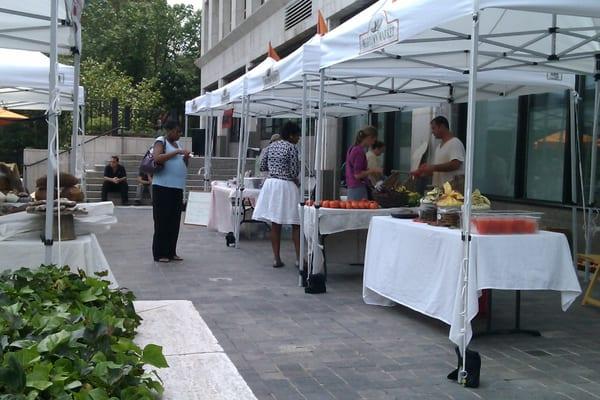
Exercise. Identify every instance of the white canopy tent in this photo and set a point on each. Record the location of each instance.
(52, 27)
(24, 81)
(472, 36)
(290, 85)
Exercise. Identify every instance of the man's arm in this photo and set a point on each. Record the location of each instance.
(428, 169)
(122, 173)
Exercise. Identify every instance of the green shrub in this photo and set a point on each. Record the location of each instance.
(68, 336)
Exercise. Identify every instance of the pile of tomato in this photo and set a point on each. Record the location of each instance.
(350, 204)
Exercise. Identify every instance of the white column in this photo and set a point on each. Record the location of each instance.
(52, 131)
(303, 145)
(75, 131)
(573, 140)
(466, 221)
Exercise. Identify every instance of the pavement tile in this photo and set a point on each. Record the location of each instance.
(288, 345)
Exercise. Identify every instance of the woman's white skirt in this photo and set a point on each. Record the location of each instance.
(278, 202)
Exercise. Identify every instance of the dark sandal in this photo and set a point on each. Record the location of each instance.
(163, 260)
(278, 264)
(176, 258)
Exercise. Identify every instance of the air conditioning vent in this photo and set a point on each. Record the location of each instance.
(296, 12)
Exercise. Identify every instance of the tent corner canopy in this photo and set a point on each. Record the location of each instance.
(26, 25)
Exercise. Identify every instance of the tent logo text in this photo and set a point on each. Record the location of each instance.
(225, 96)
(271, 78)
(381, 33)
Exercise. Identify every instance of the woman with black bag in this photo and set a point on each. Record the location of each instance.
(168, 183)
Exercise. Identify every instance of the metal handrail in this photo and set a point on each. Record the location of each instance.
(107, 133)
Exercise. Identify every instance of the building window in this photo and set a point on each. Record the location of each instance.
(546, 141)
(496, 146)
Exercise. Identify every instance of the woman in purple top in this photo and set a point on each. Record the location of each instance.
(356, 164)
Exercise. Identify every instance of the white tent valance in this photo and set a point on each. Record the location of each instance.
(24, 81)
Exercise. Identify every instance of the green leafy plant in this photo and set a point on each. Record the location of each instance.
(68, 336)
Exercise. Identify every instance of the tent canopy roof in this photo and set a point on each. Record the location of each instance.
(516, 34)
(25, 24)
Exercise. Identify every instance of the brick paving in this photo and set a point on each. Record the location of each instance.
(288, 345)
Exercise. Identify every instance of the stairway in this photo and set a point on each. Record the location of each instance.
(223, 169)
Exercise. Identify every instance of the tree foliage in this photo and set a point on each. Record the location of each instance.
(150, 42)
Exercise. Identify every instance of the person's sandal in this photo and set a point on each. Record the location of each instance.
(177, 258)
(163, 260)
(278, 264)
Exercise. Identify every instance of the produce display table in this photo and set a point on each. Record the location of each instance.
(221, 215)
(82, 253)
(419, 266)
(335, 220)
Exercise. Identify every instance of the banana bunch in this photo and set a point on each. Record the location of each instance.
(479, 201)
(450, 198)
(432, 196)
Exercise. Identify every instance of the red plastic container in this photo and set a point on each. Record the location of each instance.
(505, 222)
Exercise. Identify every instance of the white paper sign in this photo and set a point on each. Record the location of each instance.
(197, 208)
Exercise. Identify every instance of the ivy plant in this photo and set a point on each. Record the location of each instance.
(68, 336)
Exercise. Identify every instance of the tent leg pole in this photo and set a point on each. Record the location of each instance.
(52, 128)
(466, 226)
(82, 150)
(206, 133)
(210, 148)
(238, 194)
(318, 171)
(302, 180)
(594, 156)
(573, 141)
(185, 134)
(75, 131)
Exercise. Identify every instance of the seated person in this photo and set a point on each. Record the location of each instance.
(144, 184)
(115, 180)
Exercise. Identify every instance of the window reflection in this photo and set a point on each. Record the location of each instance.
(546, 141)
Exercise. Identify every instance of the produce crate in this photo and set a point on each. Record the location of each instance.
(391, 199)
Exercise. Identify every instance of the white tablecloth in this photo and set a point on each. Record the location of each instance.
(22, 225)
(419, 266)
(82, 253)
(220, 216)
(335, 220)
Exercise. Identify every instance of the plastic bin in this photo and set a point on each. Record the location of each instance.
(505, 222)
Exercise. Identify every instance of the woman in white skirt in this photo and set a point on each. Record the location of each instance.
(277, 203)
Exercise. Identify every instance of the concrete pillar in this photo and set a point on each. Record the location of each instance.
(204, 43)
(237, 13)
(213, 22)
(224, 18)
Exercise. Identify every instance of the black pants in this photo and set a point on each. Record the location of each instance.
(167, 204)
(121, 187)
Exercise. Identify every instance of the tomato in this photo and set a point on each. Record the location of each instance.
(334, 204)
(354, 204)
(325, 204)
(343, 204)
(373, 205)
